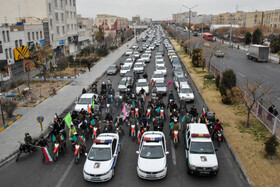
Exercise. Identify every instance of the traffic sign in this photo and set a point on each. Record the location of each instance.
(21, 53)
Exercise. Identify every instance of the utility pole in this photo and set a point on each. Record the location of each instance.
(2, 109)
(230, 34)
(202, 24)
(190, 10)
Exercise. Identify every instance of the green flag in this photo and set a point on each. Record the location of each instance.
(171, 125)
(53, 138)
(68, 120)
(186, 28)
(184, 118)
(92, 122)
(92, 103)
(133, 104)
(158, 109)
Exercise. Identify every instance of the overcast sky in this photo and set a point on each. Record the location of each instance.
(163, 9)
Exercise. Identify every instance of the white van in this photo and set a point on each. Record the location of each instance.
(84, 101)
(200, 153)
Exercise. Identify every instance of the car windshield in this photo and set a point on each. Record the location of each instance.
(202, 148)
(161, 68)
(125, 68)
(140, 61)
(111, 68)
(159, 85)
(182, 79)
(84, 101)
(138, 66)
(160, 62)
(122, 82)
(186, 90)
(145, 56)
(152, 152)
(157, 76)
(99, 154)
(129, 74)
(142, 84)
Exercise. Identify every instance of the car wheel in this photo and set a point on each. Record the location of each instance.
(113, 172)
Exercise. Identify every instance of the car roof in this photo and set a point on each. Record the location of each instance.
(87, 95)
(199, 128)
(142, 80)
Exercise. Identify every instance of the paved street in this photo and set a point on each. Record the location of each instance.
(65, 173)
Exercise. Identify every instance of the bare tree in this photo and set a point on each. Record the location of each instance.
(194, 43)
(250, 93)
(209, 51)
(108, 41)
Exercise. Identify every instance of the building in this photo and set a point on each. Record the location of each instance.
(111, 24)
(58, 16)
(148, 20)
(199, 19)
(271, 19)
(136, 19)
(254, 19)
(183, 17)
(237, 18)
(85, 32)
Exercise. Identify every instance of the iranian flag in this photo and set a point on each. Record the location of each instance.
(55, 117)
(192, 119)
(203, 111)
(47, 154)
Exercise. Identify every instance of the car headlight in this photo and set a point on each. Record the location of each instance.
(192, 167)
(162, 170)
(106, 173)
(140, 170)
(215, 168)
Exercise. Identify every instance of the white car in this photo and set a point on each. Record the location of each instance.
(136, 54)
(102, 158)
(125, 69)
(142, 83)
(84, 101)
(129, 52)
(148, 51)
(180, 82)
(152, 156)
(186, 93)
(124, 84)
(157, 76)
(160, 64)
(161, 69)
(138, 68)
(146, 57)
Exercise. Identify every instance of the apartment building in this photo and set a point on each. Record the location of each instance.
(183, 17)
(254, 19)
(237, 18)
(111, 24)
(85, 32)
(59, 20)
(271, 19)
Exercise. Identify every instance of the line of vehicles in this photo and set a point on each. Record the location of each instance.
(102, 155)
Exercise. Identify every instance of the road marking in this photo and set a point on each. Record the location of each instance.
(65, 174)
(277, 98)
(173, 153)
(241, 74)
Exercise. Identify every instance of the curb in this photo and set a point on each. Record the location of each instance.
(226, 142)
(57, 77)
(38, 102)
(10, 123)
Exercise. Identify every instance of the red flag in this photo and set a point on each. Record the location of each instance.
(169, 84)
(151, 82)
(203, 111)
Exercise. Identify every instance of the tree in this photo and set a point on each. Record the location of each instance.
(257, 36)
(193, 43)
(108, 40)
(250, 93)
(248, 38)
(99, 36)
(222, 31)
(9, 107)
(227, 83)
(271, 146)
(209, 52)
(197, 57)
(275, 44)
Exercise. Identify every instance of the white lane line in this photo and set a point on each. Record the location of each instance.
(241, 74)
(65, 174)
(277, 98)
(173, 153)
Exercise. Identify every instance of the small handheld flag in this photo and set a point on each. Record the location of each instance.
(169, 84)
(47, 154)
(186, 28)
(184, 118)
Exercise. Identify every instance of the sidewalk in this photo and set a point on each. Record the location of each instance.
(272, 56)
(57, 104)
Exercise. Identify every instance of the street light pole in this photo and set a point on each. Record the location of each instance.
(190, 9)
(2, 109)
(230, 34)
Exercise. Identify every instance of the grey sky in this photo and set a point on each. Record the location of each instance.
(163, 9)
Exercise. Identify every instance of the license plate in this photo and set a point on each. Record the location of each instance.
(204, 173)
(151, 176)
(95, 178)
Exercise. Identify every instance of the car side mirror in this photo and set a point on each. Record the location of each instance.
(86, 154)
(187, 148)
(167, 152)
(137, 152)
(115, 155)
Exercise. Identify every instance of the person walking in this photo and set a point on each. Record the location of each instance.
(88, 66)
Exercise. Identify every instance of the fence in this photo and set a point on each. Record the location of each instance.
(271, 122)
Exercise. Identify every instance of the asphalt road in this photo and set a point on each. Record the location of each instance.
(30, 171)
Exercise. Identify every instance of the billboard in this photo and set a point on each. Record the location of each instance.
(21, 53)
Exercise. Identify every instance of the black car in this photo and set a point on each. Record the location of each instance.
(140, 49)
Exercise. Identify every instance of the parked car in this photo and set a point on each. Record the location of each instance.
(112, 70)
(129, 52)
(219, 53)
